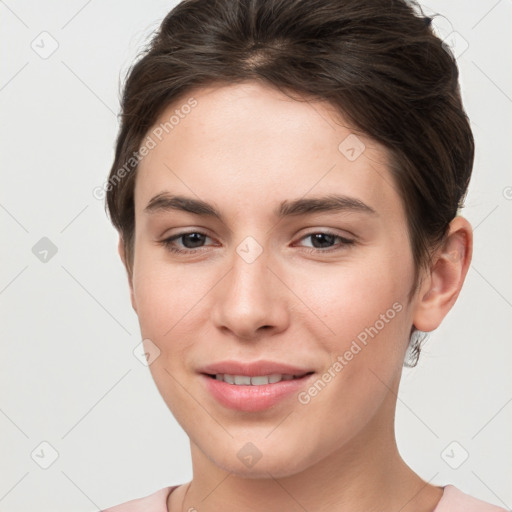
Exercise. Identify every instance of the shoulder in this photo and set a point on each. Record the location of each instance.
(155, 502)
(454, 500)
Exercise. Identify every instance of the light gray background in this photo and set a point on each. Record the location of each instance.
(68, 373)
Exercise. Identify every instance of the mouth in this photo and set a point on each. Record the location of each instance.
(253, 387)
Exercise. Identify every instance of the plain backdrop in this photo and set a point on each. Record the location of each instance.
(82, 424)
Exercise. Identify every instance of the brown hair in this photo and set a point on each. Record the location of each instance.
(377, 62)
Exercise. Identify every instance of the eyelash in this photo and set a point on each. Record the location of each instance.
(168, 242)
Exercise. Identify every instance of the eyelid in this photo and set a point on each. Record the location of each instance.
(345, 241)
(168, 242)
(345, 235)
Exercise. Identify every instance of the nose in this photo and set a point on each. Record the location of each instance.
(250, 302)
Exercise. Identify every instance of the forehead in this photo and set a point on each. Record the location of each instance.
(249, 145)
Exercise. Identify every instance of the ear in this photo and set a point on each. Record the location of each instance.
(442, 285)
(122, 254)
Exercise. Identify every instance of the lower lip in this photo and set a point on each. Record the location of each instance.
(253, 398)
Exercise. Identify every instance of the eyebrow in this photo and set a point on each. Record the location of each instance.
(165, 202)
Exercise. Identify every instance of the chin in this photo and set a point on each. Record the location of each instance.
(271, 461)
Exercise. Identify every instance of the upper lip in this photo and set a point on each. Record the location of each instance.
(253, 369)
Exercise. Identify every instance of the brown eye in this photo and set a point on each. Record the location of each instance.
(323, 241)
(189, 241)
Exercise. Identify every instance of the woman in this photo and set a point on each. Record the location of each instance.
(286, 187)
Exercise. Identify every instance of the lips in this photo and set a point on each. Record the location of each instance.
(254, 369)
(255, 386)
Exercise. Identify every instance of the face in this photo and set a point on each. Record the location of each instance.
(272, 251)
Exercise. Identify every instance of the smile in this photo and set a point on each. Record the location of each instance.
(258, 380)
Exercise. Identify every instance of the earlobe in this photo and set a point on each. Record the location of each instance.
(122, 254)
(442, 287)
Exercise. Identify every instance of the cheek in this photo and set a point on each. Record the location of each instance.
(366, 309)
(162, 297)
(168, 300)
(154, 301)
(368, 314)
(351, 299)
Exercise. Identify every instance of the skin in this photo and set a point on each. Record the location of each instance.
(245, 148)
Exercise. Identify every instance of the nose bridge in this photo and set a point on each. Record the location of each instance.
(249, 298)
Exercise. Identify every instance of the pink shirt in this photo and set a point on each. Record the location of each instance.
(453, 500)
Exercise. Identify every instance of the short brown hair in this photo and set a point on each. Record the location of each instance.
(377, 61)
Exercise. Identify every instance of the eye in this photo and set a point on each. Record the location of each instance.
(191, 241)
(322, 240)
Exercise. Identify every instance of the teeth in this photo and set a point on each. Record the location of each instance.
(259, 380)
(242, 380)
